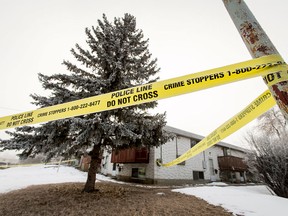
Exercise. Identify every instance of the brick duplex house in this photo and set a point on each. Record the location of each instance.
(221, 162)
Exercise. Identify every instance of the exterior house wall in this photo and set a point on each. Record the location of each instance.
(107, 166)
(202, 167)
(211, 160)
(179, 173)
(238, 153)
(232, 176)
(126, 171)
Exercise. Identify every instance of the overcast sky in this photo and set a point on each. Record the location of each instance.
(186, 36)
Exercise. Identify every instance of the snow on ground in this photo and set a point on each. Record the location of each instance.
(251, 200)
(21, 177)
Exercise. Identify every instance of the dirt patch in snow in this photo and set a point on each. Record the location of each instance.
(110, 199)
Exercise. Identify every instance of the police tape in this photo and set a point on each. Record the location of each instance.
(35, 164)
(237, 121)
(259, 106)
(149, 92)
(279, 75)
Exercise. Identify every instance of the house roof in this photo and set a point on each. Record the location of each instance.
(187, 134)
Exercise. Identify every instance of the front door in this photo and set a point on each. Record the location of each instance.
(212, 170)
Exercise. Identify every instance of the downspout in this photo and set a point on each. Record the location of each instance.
(177, 147)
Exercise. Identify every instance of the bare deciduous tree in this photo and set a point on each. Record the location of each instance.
(269, 155)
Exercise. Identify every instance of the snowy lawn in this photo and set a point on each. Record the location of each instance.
(241, 200)
(21, 177)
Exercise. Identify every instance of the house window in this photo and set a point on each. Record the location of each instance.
(198, 175)
(138, 172)
(135, 172)
(182, 163)
(226, 151)
(114, 167)
(193, 142)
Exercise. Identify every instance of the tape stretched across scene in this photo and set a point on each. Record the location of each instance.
(149, 92)
(258, 107)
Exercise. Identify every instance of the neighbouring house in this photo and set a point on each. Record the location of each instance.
(84, 162)
(3, 164)
(221, 162)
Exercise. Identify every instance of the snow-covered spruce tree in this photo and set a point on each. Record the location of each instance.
(269, 156)
(117, 57)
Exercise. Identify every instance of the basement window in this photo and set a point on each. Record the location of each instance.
(138, 172)
(198, 175)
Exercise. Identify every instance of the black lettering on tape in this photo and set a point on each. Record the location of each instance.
(122, 93)
(144, 88)
(27, 121)
(271, 77)
(205, 78)
(262, 99)
(111, 103)
(16, 117)
(245, 112)
(16, 123)
(124, 100)
(27, 115)
(42, 114)
(174, 85)
(145, 96)
(53, 112)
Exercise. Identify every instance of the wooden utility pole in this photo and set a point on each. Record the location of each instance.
(258, 44)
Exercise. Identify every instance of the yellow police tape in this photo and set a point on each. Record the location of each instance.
(49, 163)
(150, 92)
(259, 106)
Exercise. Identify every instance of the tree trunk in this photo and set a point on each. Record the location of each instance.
(91, 178)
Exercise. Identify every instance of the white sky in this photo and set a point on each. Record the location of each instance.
(186, 36)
